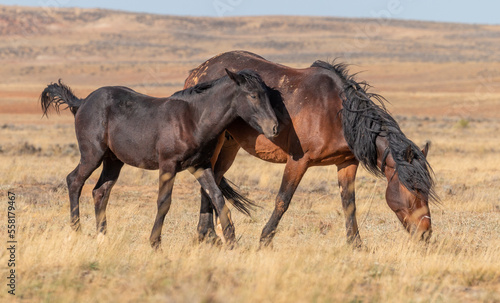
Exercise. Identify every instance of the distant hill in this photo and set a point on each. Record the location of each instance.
(153, 53)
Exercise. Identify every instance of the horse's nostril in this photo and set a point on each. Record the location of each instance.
(426, 235)
(275, 129)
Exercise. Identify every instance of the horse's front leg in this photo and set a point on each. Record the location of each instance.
(221, 164)
(346, 175)
(166, 184)
(206, 179)
(294, 171)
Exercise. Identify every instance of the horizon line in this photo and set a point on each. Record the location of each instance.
(244, 15)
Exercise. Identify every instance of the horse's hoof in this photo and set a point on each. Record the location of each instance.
(76, 227)
(101, 238)
(210, 237)
(355, 243)
(156, 245)
(266, 243)
(230, 245)
(216, 241)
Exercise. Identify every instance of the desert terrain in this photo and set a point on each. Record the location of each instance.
(442, 83)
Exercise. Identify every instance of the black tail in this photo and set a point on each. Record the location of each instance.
(56, 94)
(242, 203)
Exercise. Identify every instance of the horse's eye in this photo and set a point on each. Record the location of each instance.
(253, 96)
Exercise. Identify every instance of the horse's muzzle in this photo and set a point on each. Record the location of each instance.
(426, 235)
(422, 229)
(271, 130)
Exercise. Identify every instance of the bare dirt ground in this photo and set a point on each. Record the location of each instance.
(443, 85)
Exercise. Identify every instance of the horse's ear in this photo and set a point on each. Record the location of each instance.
(409, 154)
(425, 150)
(238, 79)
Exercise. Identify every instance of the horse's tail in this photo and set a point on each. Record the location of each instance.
(56, 94)
(240, 202)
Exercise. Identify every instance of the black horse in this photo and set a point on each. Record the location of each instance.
(116, 125)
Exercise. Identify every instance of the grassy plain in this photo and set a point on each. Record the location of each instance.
(443, 85)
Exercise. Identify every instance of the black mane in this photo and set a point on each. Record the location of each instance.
(197, 89)
(251, 77)
(363, 121)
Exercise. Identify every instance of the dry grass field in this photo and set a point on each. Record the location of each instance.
(443, 84)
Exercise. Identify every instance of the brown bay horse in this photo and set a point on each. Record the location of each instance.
(116, 125)
(326, 117)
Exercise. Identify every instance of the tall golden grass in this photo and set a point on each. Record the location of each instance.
(309, 260)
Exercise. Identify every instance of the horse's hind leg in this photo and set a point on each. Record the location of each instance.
(294, 170)
(75, 180)
(92, 152)
(346, 175)
(110, 172)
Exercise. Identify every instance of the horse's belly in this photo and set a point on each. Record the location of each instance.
(136, 159)
(266, 150)
(138, 152)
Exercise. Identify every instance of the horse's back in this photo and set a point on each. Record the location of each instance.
(215, 67)
(119, 101)
(319, 84)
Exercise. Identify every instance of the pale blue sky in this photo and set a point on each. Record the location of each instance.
(472, 11)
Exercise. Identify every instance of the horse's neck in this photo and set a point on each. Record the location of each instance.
(213, 111)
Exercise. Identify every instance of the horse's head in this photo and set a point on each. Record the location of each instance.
(410, 205)
(252, 102)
